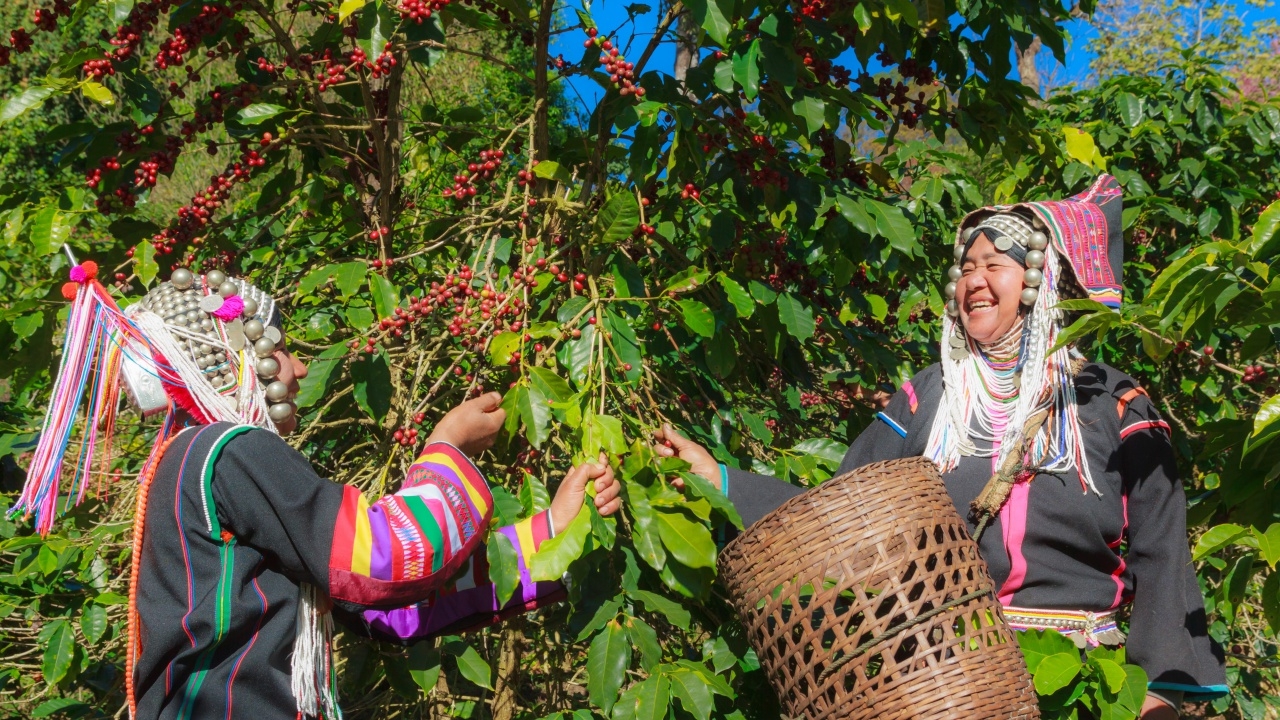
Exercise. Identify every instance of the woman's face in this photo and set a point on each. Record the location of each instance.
(291, 371)
(989, 292)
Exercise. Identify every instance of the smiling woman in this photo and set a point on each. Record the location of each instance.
(1063, 467)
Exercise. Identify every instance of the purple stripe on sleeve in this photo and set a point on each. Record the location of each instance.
(380, 553)
(456, 611)
(526, 582)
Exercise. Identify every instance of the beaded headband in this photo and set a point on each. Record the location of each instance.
(221, 326)
(1012, 235)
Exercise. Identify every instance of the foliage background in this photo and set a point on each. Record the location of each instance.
(750, 250)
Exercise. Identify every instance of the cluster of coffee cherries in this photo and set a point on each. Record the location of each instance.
(621, 72)
(464, 188)
(419, 10)
(98, 69)
(690, 191)
(45, 20)
(1254, 374)
(194, 217)
(334, 71)
(188, 38)
(407, 436)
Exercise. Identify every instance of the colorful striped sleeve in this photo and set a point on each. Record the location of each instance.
(471, 602)
(403, 547)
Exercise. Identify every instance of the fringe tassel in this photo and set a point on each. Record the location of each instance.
(315, 687)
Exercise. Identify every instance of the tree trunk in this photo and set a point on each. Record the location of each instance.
(686, 45)
(504, 687)
(1027, 71)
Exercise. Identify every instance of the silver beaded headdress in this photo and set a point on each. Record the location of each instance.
(1045, 378)
(213, 339)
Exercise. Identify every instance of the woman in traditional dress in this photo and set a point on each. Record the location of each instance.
(1064, 464)
(240, 551)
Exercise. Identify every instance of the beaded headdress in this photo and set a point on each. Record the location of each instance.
(1085, 231)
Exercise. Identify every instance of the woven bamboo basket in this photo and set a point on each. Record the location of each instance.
(866, 598)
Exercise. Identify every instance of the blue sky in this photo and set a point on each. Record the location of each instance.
(611, 15)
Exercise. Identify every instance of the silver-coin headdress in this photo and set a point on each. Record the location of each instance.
(1069, 248)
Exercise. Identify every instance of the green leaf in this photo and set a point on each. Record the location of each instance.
(258, 113)
(144, 263)
(645, 532)
(607, 661)
(59, 652)
(424, 665)
(348, 277)
(697, 317)
(746, 69)
(1271, 601)
(386, 298)
(474, 668)
(534, 497)
(828, 450)
(372, 389)
(535, 413)
(504, 567)
(375, 27)
(724, 76)
(796, 317)
(56, 705)
(1056, 672)
(689, 279)
(687, 541)
(602, 432)
(1134, 691)
(93, 623)
(653, 698)
(694, 693)
(49, 230)
(1217, 538)
(812, 110)
(319, 371)
(98, 93)
(618, 218)
(1036, 645)
(721, 354)
(1265, 240)
(742, 303)
(549, 170)
(551, 386)
(699, 486)
(852, 210)
(26, 100)
(555, 555)
(894, 227)
(713, 16)
(646, 641)
(1112, 673)
(674, 612)
(578, 354)
(1268, 544)
(1130, 109)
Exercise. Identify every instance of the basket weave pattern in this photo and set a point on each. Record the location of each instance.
(864, 556)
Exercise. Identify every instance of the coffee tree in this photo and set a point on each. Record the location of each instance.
(714, 251)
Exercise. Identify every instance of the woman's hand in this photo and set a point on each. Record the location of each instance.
(673, 444)
(569, 496)
(1156, 709)
(473, 425)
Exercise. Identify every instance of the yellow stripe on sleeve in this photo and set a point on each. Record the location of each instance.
(442, 459)
(362, 549)
(524, 532)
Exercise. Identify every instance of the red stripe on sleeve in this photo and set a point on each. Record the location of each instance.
(1146, 425)
(344, 530)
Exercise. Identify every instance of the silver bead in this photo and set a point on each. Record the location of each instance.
(253, 330)
(250, 307)
(267, 367)
(182, 278)
(1038, 241)
(227, 288)
(211, 303)
(1035, 259)
(263, 347)
(202, 362)
(953, 308)
(206, 324)
(277, 391)
(1029, 296)
(968, 234)
(228, 379)
(958, 252)
(280, 412)
(205, 349)
(955, 273)
(274, 333)
(1031, 277)
(949, 290)
(214, 278)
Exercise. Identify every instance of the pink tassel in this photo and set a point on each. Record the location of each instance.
(230, 310)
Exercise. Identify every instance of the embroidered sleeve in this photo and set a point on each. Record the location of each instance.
(402, 547)
(469, 601)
